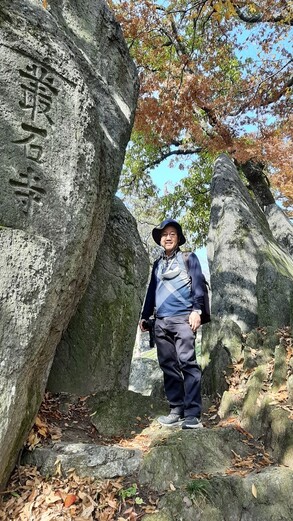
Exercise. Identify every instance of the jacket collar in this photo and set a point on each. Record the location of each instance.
(169, 257)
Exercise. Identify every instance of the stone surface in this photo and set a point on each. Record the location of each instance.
(198, 474)
(262, 496)
(144, 342)
(290, 388)
(87, 460)
(96, 349)
(220, 348)
(67, 97)
(262, 415)
(176, 455)
(146, 377)
(125, 412)
(280, 368)
(248, 268)
(280, 226)
(274, 290)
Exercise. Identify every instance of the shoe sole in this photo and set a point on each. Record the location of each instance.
(198, 426)
(176, 424)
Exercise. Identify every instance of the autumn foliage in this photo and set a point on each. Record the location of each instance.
(214, 76)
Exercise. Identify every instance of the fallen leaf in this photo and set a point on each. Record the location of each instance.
(40, 423)
(58, 468)
(253, 490)
(149, 509)
(112, 503)
(33, 440)
(52, 498)
(69, 500)
(43, 431)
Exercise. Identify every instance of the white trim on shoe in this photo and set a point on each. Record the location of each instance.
(191, 422)
(176, 423)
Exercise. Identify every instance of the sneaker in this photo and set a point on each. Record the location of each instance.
(171, 420)
(191, 422)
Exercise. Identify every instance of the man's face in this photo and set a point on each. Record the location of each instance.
(169, 239)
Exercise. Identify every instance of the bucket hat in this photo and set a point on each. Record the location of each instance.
(157, 231)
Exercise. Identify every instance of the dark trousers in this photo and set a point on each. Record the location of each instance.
(176, 355)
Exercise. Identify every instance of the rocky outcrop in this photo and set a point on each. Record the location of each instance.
(68, 94)
(96, 349)
(125, 412)
(87, 460)
(219, 473)
(146, 377)
(251, 275)
(174, 458)
(280, 226)
(260, 395)
(221, 347)
(229, 498)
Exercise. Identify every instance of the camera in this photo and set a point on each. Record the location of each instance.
(148, 324)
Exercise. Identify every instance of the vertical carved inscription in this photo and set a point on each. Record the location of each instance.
(38, 91)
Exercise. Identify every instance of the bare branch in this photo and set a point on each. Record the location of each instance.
(284, 17)
(272, 96)
(177, 152)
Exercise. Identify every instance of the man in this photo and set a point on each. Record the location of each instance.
(176, 298)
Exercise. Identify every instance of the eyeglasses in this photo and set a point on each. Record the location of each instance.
(171, 234)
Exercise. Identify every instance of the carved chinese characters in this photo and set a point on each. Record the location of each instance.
(38, 145)
(38, 91)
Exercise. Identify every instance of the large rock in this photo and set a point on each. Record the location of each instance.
(251, 275)
(146, 377)
(280, 226)
(220, 348)
(260, 496)
(201, 451)
(67, 93)
(125, 412)
(87, 459)
(96, 350)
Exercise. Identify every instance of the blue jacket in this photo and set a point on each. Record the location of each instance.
(174, 305)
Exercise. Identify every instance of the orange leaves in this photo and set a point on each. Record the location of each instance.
(223, 8)
(69, 499)
(206, 75)
(255, 461)
(40, 431)
(41, 426)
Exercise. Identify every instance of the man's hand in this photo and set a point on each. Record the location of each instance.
(194, 320)
(142, 323)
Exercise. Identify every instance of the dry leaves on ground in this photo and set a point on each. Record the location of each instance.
(33, 498)
(254, 461)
